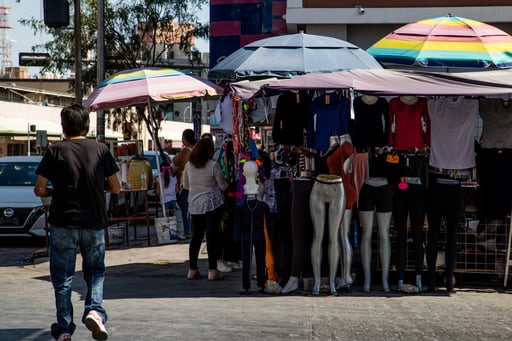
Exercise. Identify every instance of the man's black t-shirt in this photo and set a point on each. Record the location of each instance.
(78, 170)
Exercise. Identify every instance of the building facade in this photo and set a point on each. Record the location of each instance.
(234, 24)
(364, 22)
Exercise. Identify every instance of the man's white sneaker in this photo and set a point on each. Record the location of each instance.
(94, 323)
(223, 267)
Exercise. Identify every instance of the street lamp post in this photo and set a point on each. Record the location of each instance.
(28, 139)
(30, 127)
(78, 53)
(100, 65)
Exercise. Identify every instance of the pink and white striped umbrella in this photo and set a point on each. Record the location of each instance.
(149, 85)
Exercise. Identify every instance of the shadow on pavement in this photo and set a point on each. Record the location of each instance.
(162, 280)
(24, 334)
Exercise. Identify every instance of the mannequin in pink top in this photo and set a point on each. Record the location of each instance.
(340, 163)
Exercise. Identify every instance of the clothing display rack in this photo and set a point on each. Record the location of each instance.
(483, 247)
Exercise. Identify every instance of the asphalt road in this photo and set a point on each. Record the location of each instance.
(148, 296)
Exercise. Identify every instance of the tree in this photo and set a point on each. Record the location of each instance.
(138, 33)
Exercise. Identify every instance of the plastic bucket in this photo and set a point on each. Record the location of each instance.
(115, 235)
(166, 231)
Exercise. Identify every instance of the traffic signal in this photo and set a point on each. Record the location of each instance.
(56, 13)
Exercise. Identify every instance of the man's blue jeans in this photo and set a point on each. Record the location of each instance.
(182, 198)
(63, 249)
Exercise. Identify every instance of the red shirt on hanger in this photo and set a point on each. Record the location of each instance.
(409, 124)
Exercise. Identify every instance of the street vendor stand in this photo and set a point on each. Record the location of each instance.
(392, 83)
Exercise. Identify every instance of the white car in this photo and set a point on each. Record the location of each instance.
(21, 211)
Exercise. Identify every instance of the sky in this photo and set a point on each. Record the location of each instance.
(23, 38)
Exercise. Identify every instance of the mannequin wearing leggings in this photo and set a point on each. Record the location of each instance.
(340, 162)
(251, 218)
(446, 198)
(284, 231)
(375, 195)
(409, 199)
(327, 201)
(302, 231)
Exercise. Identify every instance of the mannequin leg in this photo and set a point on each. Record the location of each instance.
(318, 209)
(335, 217)
(346, 251)
(419, 283)
(383, 221)
(316, 257)
(366, 218)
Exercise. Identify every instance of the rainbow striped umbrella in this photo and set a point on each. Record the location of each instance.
(447, 41)
(149, 85)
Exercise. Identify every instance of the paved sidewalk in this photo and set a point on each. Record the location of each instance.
(148, 297)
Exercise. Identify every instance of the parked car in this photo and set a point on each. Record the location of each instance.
(21, 211)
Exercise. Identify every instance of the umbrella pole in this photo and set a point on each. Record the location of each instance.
(159, 176)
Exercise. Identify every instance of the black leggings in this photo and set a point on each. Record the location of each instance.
(283, 229)
(445, 199)
(410, 201)
(209, 222)
(302, 228)
(259, 255)
(229, 250)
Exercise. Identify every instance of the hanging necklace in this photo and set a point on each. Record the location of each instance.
(252, 208)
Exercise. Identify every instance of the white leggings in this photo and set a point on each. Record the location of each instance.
(328, 192)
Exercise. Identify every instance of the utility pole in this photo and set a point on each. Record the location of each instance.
(100, 68)
(28, 139)
(78, 53)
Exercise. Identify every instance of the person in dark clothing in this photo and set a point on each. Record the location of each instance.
(80, 170)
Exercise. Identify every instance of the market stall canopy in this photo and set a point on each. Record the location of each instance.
(446, 42)
(248, 89)
(395, 82)
(148, 85)
(314, 81)
(291, 55)
(491, 78)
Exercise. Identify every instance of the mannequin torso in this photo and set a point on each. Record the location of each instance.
(409, 100)
(370, 100)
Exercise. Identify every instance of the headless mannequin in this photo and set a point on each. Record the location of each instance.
(383, 222)
(328, 189)
(370, 100)
(346, 254)
(302, 232)
(409, 100)
(340, 162)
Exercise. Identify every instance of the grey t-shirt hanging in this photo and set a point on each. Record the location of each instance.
(497, 123)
